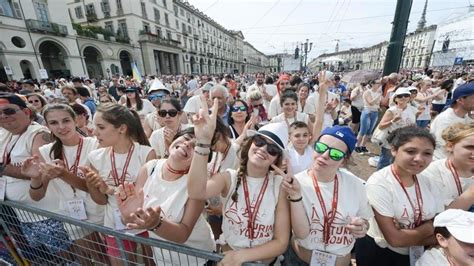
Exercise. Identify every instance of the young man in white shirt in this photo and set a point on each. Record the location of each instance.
(461, 105)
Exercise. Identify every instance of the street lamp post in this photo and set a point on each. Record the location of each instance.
(306, 48)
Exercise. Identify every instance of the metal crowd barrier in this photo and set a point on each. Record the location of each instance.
(81, 243)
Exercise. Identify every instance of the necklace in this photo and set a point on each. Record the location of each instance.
(175, 171)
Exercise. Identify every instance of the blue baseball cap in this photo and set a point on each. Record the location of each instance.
(343, 133)
(463, 91)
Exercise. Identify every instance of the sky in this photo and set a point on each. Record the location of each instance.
(276, 26)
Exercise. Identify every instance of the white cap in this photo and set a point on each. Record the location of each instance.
(156, 85)
(276, 132)
(458, 222)
(401, 91)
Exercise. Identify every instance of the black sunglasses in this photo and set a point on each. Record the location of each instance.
(403, 96)
(34, 101)
(170, 112)
(9, 111)
(272, 148)
(238, 108)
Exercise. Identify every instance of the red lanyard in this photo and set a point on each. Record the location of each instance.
(455, 176)
(6, 155)
(328, 218)
(419, 198)
(74, 167)
(213, 172)
(119, 181)
(253, 214)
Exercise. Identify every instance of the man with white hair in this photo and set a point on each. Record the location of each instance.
(220, 93)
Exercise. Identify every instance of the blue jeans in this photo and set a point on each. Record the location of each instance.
(422, 123)
(368, 121)
(385, 158)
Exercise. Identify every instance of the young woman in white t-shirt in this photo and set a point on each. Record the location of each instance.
(329, 208)
(256, 222)
(125, 149)
(404, 202)
(423, 99)
(159, 203)
(369, 115)
(135, 102)
(59, 175)
(454, 175)
(290, 114)
(170, 113)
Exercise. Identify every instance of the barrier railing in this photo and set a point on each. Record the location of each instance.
(37, 237)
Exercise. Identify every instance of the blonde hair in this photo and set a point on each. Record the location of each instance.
(457, 132)
(254, 95)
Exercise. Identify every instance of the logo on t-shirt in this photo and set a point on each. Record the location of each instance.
(237, 218)
(339, 234)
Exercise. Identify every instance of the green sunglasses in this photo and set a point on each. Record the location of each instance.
(334, 154)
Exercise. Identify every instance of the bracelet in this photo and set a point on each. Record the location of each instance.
(158, 225)
(294, 200)
(36, 188)
(201, 153)
(202, 145)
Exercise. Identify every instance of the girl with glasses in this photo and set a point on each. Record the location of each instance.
(169, 112)
(240, 120)
(135, 102)
(400, 115)
(37, 101)
(404, 201)
(256, 222)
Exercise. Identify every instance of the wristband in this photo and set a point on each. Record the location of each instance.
(158, 225)
(201, 153)
(294, 200)
(202, 145)
(36, 188)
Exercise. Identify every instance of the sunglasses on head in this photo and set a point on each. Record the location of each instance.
(272, 148)
(334, 154)
(9, 111)
(171, 113)
(239, 108)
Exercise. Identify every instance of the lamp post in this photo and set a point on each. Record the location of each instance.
(306, 48)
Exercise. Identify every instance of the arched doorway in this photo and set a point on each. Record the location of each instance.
(26, 69)
(193, 65)
(216, 68)
(126, 63)
(92, 57)
(209, 67)
(53, 58)
(201, 64)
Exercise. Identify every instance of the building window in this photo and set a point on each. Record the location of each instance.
(105, 6)
(109, 27)
(41, 9)
(164, 3)
(119, 7)
(90, 10)
(144, 15)
(168, 35)
(16, 10)
(177, 24)
(122, 24)
(175, 10)
(78, 11)
(181, 12)
(158, 31)
(157, 15)
(167, 21)
(146, 27)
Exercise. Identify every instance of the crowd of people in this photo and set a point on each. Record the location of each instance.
(251, 166)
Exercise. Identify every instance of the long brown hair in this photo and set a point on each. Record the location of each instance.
(57, 148)
(118, 115)
(244, 158)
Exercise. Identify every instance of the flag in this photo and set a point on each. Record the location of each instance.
(136, 73)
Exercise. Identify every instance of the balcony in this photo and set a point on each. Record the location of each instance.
(196, 36)
(205, 40)
(153, 38)
(46, 27)
(91, 17)
(210, 55)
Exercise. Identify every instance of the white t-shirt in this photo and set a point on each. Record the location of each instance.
(387, 197)
(443, 100)
(172, 197)
(20, 148)
(357, 100)
(151, 120)
(157, 141)
(274, 108)
(426, 114)
(303, 117)
(352, 202)
(440, 123)
(193, 105)
(443, 179)
(433, 257)
(309, 106)
(235, 216)
(64, 192)
(101, 161)
(147, 108)
(300, 162)
(374, 95)
(328, 121)
(407, 117)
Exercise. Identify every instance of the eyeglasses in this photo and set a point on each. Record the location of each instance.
(334, 154)
(9, 111)
(403, 96)
(272, 148)
(171, 113)
(34, 101)
(154, 97)
(239, 108)
(257, 105)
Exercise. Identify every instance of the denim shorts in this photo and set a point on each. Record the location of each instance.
(49, 233)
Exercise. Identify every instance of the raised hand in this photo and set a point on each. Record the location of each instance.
(128, 199)
(205, 123)
(31, 168)
(145, 219)
(168, 134)
(289, 183)
(325, 80)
